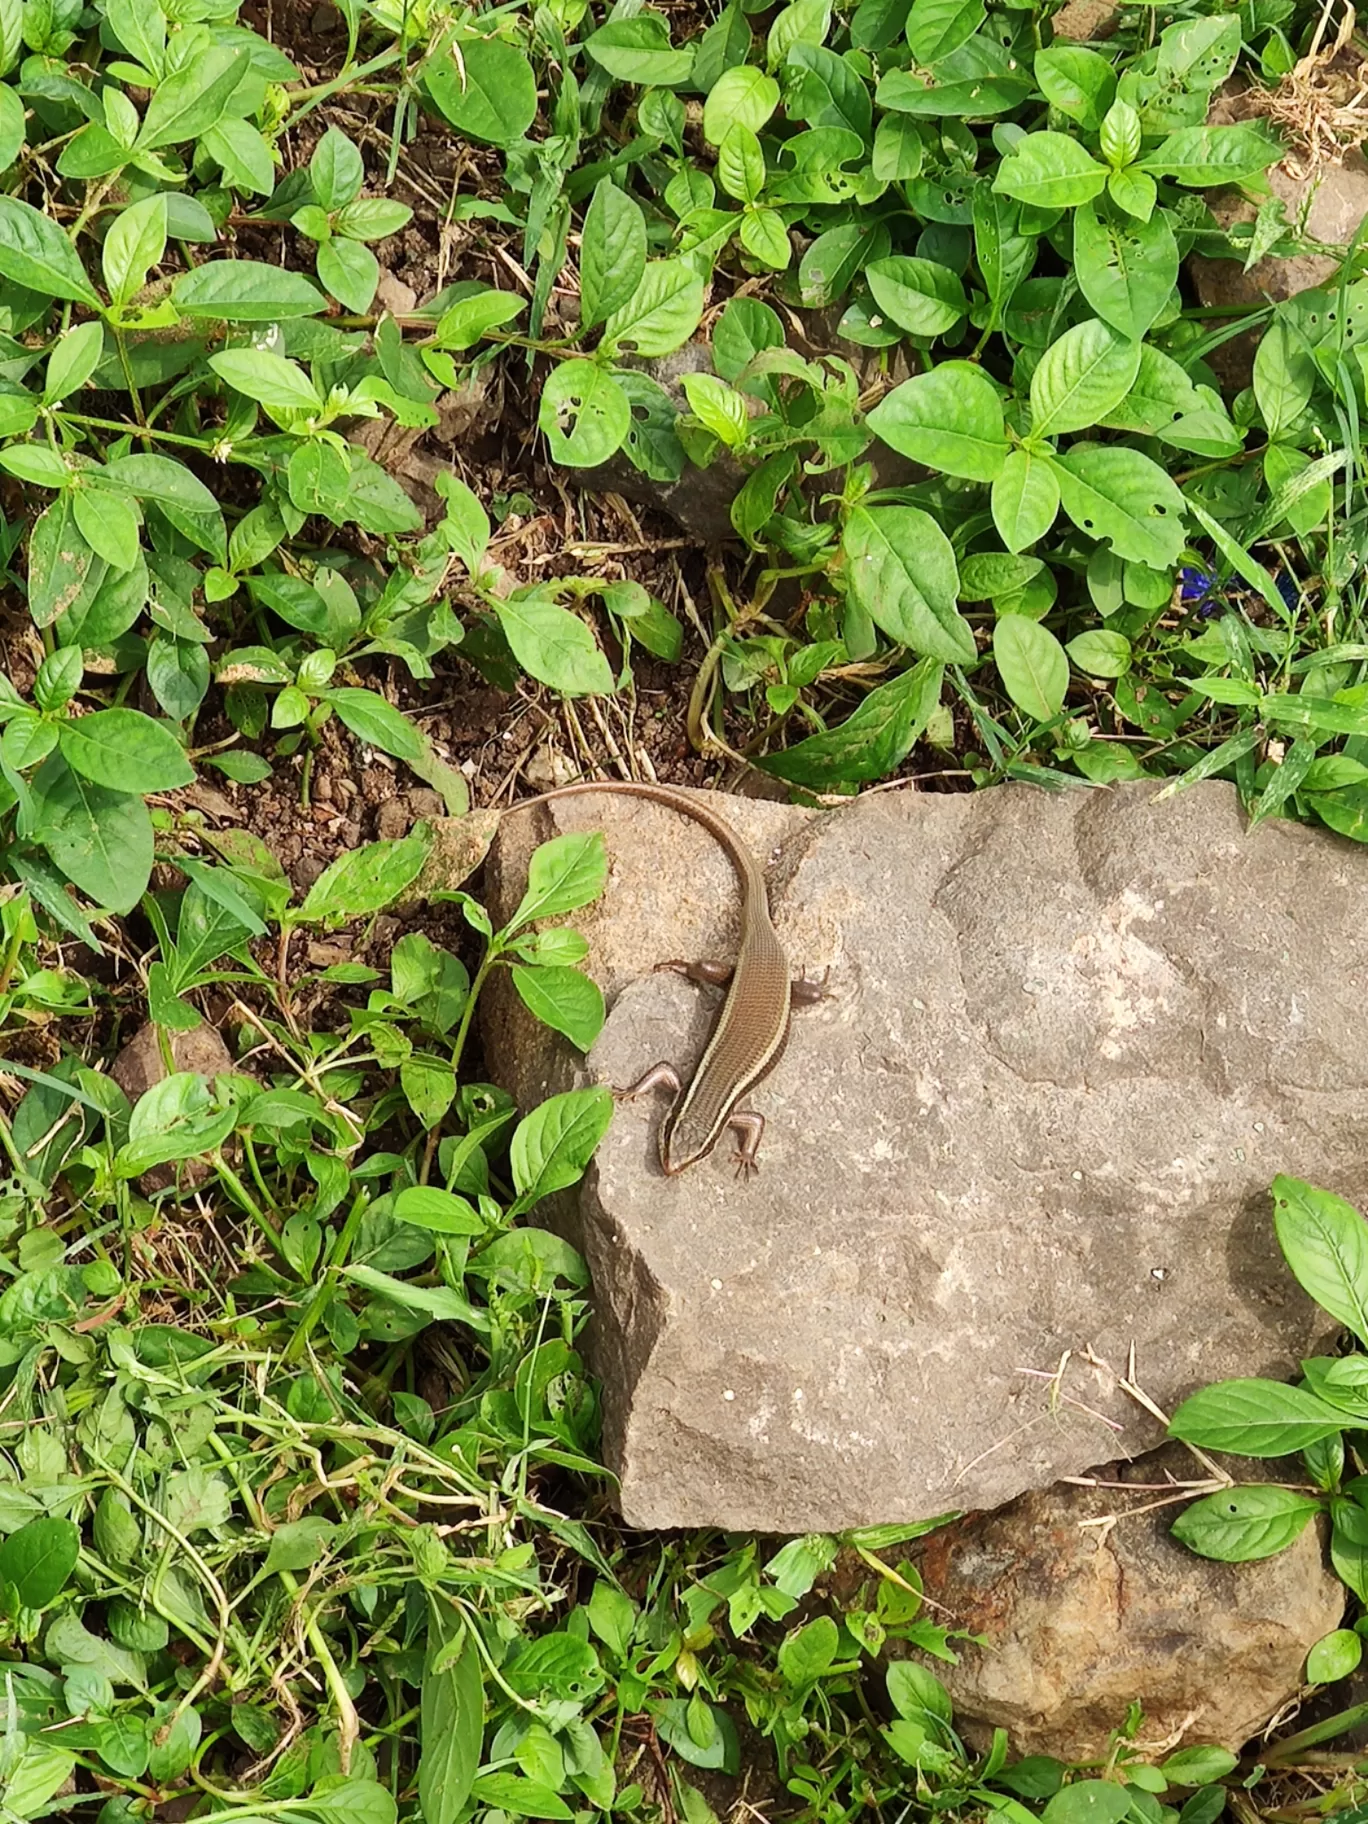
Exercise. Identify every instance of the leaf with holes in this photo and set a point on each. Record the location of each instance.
(1240, 1525)
(584, 414)
(1121, 496)
(1126, 269)
(1081, 377)
(980, 79)
(1203, 157)
(661, 314)
(903, 574)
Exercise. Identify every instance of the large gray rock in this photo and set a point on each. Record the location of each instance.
(1024, 1146)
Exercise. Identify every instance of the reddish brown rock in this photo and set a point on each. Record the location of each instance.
(1087, 1604)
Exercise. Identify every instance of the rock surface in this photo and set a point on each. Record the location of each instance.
(1081, 1619)
(1070, 1040)
(139, 1066)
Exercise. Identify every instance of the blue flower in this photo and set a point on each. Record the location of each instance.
(1195, 585)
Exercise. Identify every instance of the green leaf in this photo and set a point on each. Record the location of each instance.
(373, 218)
(336, 170)
(36, 254)
(1203, 157)
(1050, 171)
(872, 741)
(38, 1560)
(473, 318)
(1255, 1418)
(902, 572)
(245, 291)
(485, 87)
(916, 1693)
(741, 164)
(375, 500)
(1199, 1766)
(319, 480)
(278, 384)
(922, 297)
(612, 253)
(1079, 82)
(109, 526)
(937, 28)
(584, 414)
(638, 49)
(364, 881)
(1031, 664)
(439, 1303)
(1125, 269)
(1099, 654)
(350, 272)
(1025, 499)
(554, 646)
(1081, 377)
(562, 998)
(565, 873)
(193, 98)
(1088, 1802)
(369, 716)
(73, 360)
(980, 79)
(835, 259)
(1239, 1525)
(661, 314)
(452, 1716)
(63, 571)
(11, 35)
(1325, 1242)
(949, 419)
(1334, 1656)
(134, 244)
(520, 1797)
(1122, 496)
(742, 95)
(440, 1212)
(100, 839)
(161, 479)
(125, 750)
(552, 1145)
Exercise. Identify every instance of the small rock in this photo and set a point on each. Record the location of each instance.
(425, 803)
(308, 869)
(1328, 206)
(393, 295)
(1081, 1619)
(392, 819)
(459, 845)
(1086, 21)
(139, 1066)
